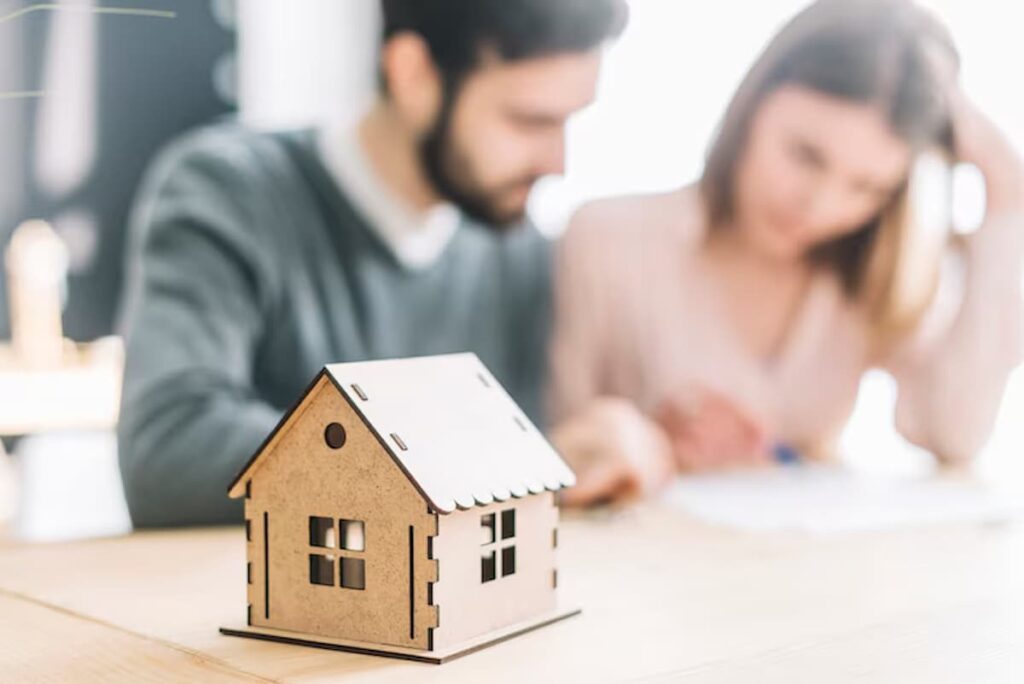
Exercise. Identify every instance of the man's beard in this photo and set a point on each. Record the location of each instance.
(449, 173)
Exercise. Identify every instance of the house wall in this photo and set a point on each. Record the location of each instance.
(468, 607)
(300, 477)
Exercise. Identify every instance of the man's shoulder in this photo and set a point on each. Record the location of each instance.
(230, 147)
(226, 182)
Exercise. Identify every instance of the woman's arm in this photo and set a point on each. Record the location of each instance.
(951, 385)
(616, 451)
(580, 318)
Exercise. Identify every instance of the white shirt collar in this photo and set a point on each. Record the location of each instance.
(416, 238)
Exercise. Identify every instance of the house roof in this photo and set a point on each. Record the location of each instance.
(452, 428)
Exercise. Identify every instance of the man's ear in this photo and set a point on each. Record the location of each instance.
(412, 79)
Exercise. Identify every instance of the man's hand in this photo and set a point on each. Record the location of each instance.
(616, 451)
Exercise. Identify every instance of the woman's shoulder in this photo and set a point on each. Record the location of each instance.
(674, 216)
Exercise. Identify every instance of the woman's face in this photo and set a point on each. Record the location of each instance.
(815, 168)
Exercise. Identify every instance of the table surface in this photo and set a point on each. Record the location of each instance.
(665, 598)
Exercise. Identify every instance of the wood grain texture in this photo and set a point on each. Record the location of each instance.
(664, 599)
(39, 643)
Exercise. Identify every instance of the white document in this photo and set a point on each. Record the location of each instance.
(831, 499)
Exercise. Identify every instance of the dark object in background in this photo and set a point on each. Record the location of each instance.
(154, 78)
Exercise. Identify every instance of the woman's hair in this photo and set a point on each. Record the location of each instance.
(883, 52)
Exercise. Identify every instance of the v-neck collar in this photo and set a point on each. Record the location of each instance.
(795, 338)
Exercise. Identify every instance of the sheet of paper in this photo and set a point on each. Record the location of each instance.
(832, 499)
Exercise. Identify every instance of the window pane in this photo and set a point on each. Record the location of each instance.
(353, 573)
(321, 570)
(352, 535)
(508, 524)
(487, 529)
(487, 566)
(508, 560)
(321, 532)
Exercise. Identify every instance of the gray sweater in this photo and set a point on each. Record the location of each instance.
(249, 270)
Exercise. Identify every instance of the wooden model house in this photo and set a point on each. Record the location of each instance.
(404, 508)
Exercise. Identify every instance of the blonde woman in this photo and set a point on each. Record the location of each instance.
(729, 323)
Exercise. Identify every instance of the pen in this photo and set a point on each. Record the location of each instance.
(784, 454)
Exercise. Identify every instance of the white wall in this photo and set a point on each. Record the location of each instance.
(303, 60)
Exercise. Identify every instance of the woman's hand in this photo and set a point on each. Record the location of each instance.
(616, 451)
(979, 141)
(710, 431)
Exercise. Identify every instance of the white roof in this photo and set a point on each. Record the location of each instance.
(454, 429)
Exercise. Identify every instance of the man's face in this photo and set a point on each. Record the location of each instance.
(505, 129)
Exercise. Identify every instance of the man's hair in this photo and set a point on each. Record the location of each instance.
(460, 32)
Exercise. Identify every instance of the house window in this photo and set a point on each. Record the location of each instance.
(352, 538)
(508, 560)
(349, 538)
(491, 554)
(353, 573)
(487, 566)
(487, 526)
(353, 568)
(321, 532)
(321, 569)
(508, 523)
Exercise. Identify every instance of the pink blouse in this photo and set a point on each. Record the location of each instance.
(638, 316)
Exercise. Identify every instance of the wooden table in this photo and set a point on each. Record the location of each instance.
(665, 599)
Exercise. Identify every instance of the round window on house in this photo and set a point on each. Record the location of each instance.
(334, 435)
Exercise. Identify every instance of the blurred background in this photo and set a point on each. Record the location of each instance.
(86, 98)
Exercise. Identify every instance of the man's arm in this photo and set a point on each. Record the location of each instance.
(194, 315)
